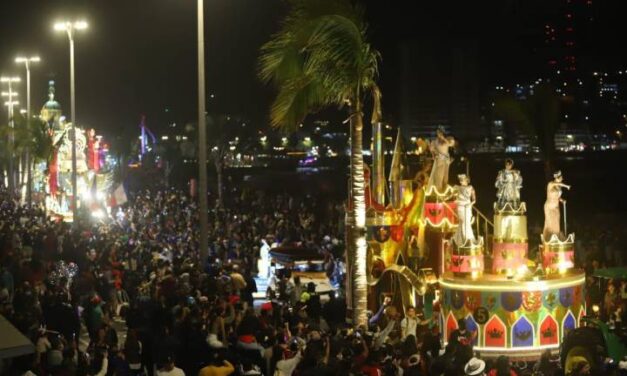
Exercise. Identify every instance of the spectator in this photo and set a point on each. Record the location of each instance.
(218, 366)
(409, 323)
(475, 367)
(170, 369)
(503, 368)
(133, 352)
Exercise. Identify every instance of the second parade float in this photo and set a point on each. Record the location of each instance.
(430, 247)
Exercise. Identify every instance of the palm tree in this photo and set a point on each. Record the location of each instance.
(321, 57)
(31, 138)
(538, 115)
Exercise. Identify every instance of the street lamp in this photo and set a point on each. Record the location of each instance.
(27, 61)
(70, 28)
(202, 140)
(9, 81)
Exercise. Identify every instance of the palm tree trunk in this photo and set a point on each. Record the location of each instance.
(22, 175)
(11, 175)
(357, 247)
(219, 173)
(29, 186)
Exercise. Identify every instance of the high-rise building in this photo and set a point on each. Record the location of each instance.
(439, 87)
(564, 31)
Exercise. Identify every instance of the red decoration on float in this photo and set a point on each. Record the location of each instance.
(531, 300)
(508, 255)
(472, 300)
(436, 212)
(451, 324)
(397, 233)
(548, 331)
(495, 333)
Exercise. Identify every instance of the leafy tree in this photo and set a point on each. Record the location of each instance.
(321, 57)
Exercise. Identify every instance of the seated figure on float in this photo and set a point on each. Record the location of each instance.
(466, 249)
(557, 247)
(510, 245)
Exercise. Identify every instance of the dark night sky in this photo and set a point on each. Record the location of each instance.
(139, 56)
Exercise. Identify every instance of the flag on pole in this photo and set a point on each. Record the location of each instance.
(119, 196)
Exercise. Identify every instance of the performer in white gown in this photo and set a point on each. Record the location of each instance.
(263, 264)
(465, 200)
(552, 206)
(441, 160)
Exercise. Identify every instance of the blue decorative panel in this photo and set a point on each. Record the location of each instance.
(522, 333)
(472, 327)
(568, 324)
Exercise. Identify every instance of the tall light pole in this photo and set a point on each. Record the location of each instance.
(10, 103)
(27, 61)
(71, 28)
(202, 142)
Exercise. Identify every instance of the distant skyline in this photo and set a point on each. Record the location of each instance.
(138, 56)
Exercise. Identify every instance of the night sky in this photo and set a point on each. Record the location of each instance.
(139, 56)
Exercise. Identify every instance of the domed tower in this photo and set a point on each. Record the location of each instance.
(51, 111)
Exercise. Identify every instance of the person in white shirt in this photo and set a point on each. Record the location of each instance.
(169, 369)
(409, 323)
(286, 366)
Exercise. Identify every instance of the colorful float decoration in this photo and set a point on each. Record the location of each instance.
(429, 240)
(55, 175)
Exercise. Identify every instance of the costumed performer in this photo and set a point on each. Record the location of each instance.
(508, 184)
(441, 160)
(552, 208)
(465, 200)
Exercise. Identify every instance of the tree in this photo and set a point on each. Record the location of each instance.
(538, 115)
(321, 57)
(32, 138)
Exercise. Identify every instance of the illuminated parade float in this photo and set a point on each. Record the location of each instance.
(431, 247)
(55, 175)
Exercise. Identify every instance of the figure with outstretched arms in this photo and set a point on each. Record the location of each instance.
(552, 206)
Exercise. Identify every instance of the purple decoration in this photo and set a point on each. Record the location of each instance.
(522, 333)
(568, 324)
(566, 296)
(472, 326)
(511, 300)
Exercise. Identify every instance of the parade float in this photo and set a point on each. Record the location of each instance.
(430, 247)
(55, 175)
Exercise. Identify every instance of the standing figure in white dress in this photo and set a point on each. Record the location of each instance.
(441, 160)
(263, 264)
(552, 207)
(465, 200)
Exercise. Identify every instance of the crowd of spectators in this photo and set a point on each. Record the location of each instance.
(138, 275)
